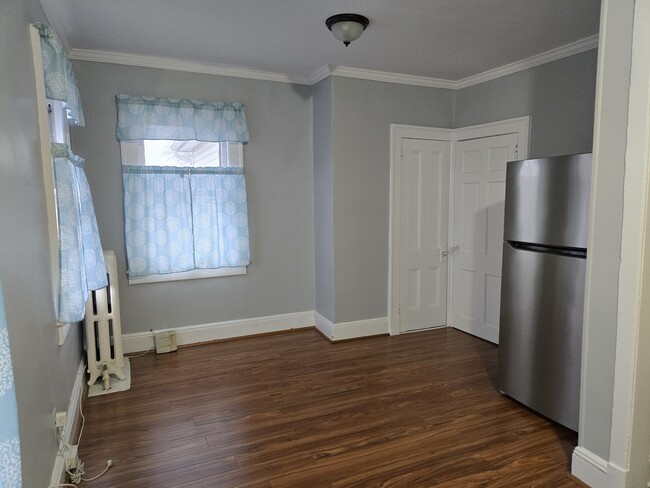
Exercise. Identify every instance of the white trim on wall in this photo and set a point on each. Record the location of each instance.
(385, 76)
(595, 471)
(175, 64)
(48, 177)
(350, 330)
(565, 51)
(195, 334)
(519, 125)
(58, 473)
(631, 402)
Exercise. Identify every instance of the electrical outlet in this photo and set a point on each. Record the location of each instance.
(60, 420)
(165, 342)
(71, 458)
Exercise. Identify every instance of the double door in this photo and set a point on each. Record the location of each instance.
(451, 260)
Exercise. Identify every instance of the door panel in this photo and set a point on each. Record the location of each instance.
(479, 195)
(424, 234)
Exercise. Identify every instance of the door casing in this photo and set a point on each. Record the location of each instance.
(519, 125)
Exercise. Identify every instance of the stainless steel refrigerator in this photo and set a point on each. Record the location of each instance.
(542, 293)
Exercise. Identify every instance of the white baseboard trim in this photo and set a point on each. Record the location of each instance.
(350, 330)
(324, 326)
(58, 473)
(595, 471)
(195, 334)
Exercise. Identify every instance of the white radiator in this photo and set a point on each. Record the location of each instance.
(104, 330)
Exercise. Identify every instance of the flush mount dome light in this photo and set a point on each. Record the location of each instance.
(347, 27)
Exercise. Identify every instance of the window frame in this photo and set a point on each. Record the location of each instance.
(45, 135)
(235, 151)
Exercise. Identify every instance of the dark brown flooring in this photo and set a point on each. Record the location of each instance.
(292, 410)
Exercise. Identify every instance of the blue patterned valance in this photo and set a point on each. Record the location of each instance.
(10, 472)
(180, 119)
(80, 251)
(60, 83)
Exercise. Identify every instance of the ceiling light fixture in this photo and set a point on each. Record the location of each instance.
(347, 27)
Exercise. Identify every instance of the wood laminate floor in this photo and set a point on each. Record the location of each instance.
(292, 410)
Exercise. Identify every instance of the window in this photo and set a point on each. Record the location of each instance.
(184, 154)
(75, 248)
(185, 202)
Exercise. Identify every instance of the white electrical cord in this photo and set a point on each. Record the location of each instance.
(109, 463)
(147, 351)
(140, 355)
(76, 476)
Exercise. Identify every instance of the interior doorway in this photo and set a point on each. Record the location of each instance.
(446, 224)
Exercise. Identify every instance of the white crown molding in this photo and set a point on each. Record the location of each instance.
(546, 57)
(183, 65)
(385, 76)
(330, 70)
(320, 74)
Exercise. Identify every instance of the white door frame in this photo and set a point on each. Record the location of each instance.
(397, 133)
(519, 125)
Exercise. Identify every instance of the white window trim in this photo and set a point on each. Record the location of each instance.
(193, 274)
(48, 178)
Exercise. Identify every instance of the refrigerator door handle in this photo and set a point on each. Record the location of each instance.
(560, 251)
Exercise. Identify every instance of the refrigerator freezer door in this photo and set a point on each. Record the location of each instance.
(547, 201)
(540, 337)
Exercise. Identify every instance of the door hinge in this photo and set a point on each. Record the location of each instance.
(401, 153)
(517, 150)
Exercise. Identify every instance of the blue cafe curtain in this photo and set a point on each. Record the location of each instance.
(10, 471)
(180, 119)
(80, 250)
(60, 83)
(178, 219)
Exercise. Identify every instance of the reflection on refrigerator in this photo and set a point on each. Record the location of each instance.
(542, 295)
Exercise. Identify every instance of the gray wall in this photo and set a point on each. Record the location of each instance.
(558, 95)
(44, 372)
(318, 213)
(362, 112)
(279, 178)
(352, 220)
(323, 200)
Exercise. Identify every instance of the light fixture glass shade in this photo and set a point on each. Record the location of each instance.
(347, 27)
(347, 32)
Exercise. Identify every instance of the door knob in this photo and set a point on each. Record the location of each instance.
(454, 248)
(444, 253)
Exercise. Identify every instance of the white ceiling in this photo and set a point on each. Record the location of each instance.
(444, 39)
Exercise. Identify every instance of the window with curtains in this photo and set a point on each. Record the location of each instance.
(185, 204)
(79, 258)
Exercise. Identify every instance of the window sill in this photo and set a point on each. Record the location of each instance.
(194, 274)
